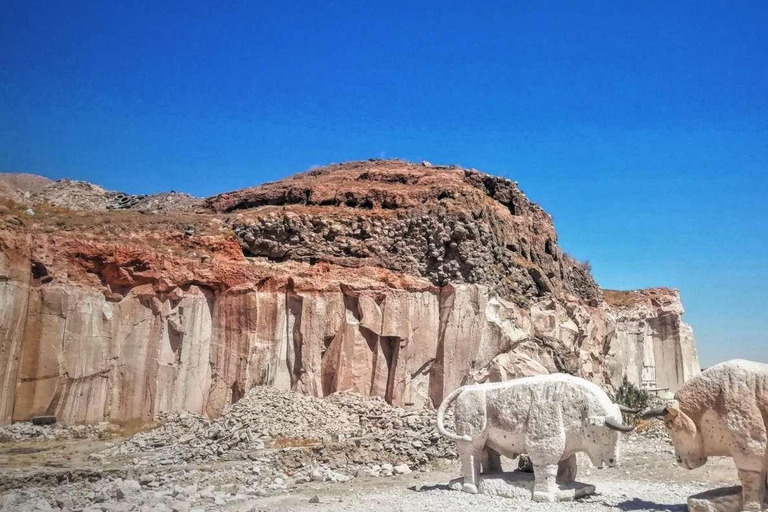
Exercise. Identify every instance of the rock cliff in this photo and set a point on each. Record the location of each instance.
(388, 278)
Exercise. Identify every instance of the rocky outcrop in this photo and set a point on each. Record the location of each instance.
(30, 190)
(445, 224)
(652, 338)
(385, 278)
(15, 287)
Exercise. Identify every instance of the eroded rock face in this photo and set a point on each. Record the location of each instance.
(649, 332)
(338, 279)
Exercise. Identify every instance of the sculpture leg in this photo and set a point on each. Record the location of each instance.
(545, 486)
(545, 440)
(469, 456)
(524, 464)
(566, 470)
(753, 489)
(493, 461)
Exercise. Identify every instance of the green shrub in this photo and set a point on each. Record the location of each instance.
(630, 395)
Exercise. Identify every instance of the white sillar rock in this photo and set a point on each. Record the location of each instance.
(13, 305)
(402, 469)
(651, 344)
(725, 499)
(67, 350)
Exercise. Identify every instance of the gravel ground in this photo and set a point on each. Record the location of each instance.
(626, 495)
(276, 451)
(647, 480)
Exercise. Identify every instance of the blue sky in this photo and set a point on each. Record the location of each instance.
(642, 127)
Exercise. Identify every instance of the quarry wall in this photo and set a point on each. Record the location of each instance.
(387, 278)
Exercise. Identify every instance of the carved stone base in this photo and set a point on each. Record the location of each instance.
(725, 499)
(519, 486)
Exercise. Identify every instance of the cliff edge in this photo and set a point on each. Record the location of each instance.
(388, 278)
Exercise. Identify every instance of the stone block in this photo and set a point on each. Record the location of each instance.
(724, 499)
(517, 485)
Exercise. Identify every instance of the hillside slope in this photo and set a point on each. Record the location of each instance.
(388, 278)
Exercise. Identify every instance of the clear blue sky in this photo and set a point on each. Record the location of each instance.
(641, 126)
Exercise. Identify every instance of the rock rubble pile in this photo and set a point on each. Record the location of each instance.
(191, 491)
(267, 443)
(24, 431)
(84, 196)
(298, 435)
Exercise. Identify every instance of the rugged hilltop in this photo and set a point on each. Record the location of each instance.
(388, 278)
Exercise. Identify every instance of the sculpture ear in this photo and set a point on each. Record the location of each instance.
(673, 408)
(595, 421)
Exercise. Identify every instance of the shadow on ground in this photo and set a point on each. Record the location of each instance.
(427, 488)
(637, 504)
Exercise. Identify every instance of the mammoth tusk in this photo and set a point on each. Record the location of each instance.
(654, 413)
(618, 426)
(628, 410)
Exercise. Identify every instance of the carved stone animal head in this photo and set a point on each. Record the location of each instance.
(686, 436)
(601, 445)
(601, 437)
